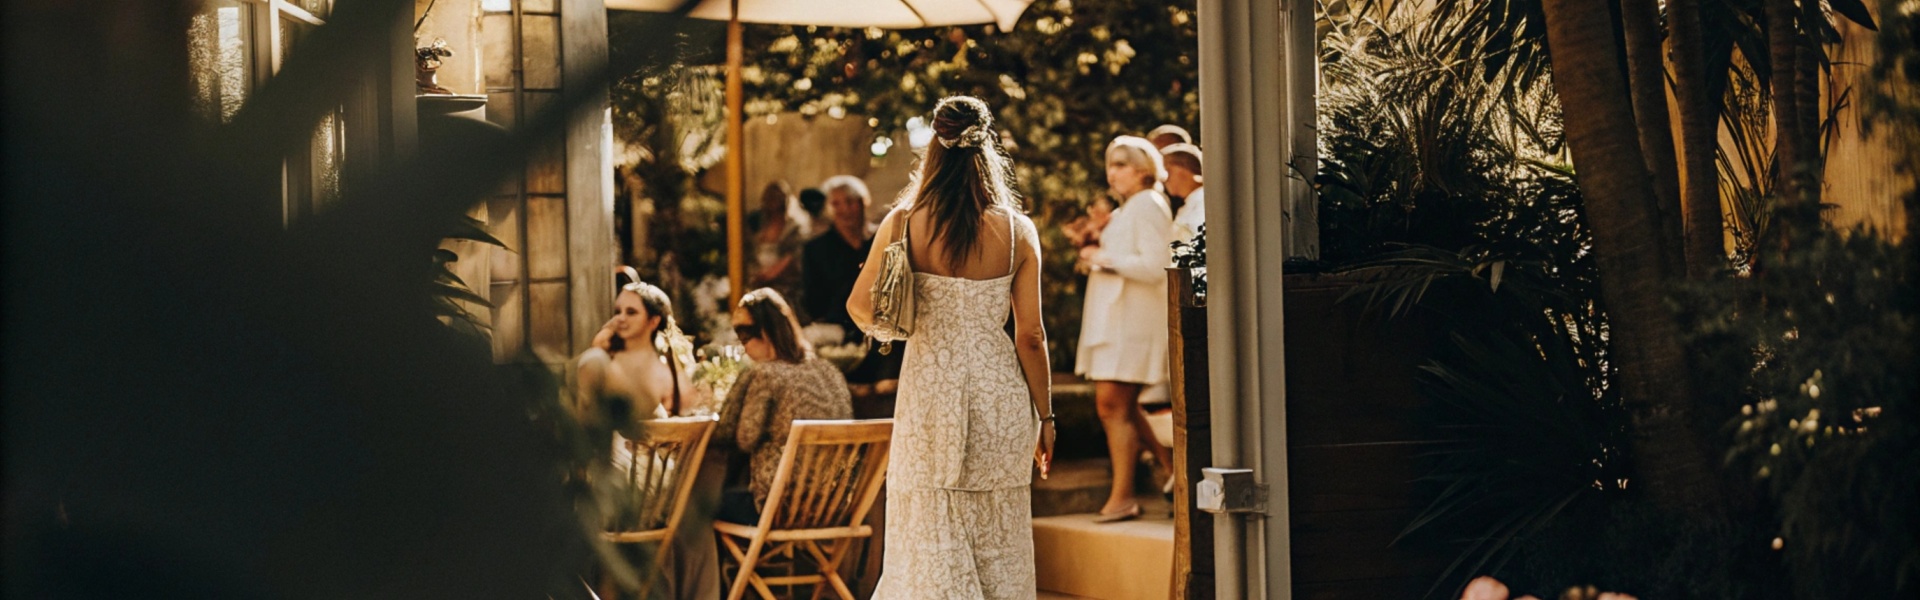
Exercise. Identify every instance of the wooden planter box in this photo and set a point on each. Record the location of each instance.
(1354, 442)
(1192, 435)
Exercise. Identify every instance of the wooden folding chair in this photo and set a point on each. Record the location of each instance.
(830, 473)
(659, 479)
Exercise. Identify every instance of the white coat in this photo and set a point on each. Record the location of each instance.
(1123, 329)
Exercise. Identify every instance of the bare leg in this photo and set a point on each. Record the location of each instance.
(1117, 403)
(1161, 454)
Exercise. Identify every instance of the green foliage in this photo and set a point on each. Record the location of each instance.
(1631, 546)
(1067, 79)
(1191, 254)
(1891, 102)
(1747, 163)
(1418, 147)
(1814, 351)
(1818, 346)
(1734, 34)
(1428, 188)
(448, 291)
(1442, 174)
(671, 117)
(1526, 440)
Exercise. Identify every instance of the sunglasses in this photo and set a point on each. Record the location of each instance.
(746, 332)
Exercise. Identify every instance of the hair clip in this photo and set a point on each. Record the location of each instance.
(972, 137)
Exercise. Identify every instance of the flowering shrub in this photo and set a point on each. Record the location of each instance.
(716, 371)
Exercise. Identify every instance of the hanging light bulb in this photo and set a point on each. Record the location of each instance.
(919, 134)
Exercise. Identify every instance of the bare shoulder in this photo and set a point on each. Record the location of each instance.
(891, 222)
(1023, 228)
(595, 358)
(1022, 224)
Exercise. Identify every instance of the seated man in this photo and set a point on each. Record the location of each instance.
(830, 264)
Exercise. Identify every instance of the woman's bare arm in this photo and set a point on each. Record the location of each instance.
(860, 302)
(1030, 334)
(775, 272)
(590, 381)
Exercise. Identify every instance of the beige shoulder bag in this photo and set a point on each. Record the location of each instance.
(893, 292)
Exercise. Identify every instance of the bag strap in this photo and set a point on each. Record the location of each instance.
(1012, 247)
(906, 221)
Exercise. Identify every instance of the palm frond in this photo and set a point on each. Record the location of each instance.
(1527, 441)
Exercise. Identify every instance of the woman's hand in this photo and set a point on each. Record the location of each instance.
(1043, 451)
(604, 338)
(1090, 259)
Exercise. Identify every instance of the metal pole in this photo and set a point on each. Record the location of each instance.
(1245, 125)
(1229, 578)
(736, 160)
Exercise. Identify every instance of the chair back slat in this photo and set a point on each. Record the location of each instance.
(657, 478)
(836, 468)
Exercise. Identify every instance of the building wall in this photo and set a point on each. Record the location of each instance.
(1862, 175)
(1862, 182)
(553, 287)
(805, 151)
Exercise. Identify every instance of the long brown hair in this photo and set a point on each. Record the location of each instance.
(657, 304)
(962, 176)
(776, 324)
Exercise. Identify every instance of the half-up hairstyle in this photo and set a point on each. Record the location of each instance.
(667, 338)
(775, 321)
(963, 175)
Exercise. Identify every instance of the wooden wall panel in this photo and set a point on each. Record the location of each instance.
(807, 150)
(1355, 445)
(547, 167)
(547, 327)
(591, 249)
(540, 52)
(1344, 477)
(556, 214)
(1863, 178)
(546, 249)
(1193, 564)
(503, 221)
(537, 102)
(509, 317)
(547, 160)
(496, 47)
(501, 109)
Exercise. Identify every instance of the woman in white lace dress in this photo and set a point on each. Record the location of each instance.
(974, 406)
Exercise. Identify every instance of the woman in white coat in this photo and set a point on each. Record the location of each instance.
(1123, 330)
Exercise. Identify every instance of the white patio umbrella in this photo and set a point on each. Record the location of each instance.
(889, 14)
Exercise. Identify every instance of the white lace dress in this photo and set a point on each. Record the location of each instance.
(959, 514)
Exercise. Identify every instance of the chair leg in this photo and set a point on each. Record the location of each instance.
(819, 560)
(747, 574)
(760, 585)
(829, 562)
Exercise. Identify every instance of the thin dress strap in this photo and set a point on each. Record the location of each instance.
(1012, 247)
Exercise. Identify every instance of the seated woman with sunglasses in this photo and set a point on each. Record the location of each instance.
(785, 382)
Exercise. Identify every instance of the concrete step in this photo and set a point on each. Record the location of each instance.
(1131, 560)
(1080, 485)
(1073, 486)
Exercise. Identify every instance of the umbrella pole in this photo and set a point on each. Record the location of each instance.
(736, 161)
